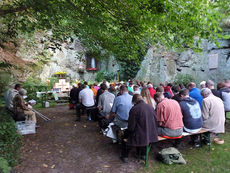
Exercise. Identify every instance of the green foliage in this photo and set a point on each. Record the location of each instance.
(120, 28)
(33, 85)
(183, 78)
(53, 80)
(4, 167)
(10, 140)
(4, 81)
(101, 75)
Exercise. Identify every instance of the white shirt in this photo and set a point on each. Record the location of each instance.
(87, 97)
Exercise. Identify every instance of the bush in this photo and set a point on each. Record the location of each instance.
(183, 78)
(33, 85)
(4, 166)
(10, 140)
(101, 75)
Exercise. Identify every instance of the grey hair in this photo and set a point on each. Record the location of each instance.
(209, 83)
(22, 92)
(205, 91)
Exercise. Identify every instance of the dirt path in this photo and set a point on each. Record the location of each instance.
(65, 146)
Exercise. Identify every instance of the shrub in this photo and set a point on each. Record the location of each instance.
(4, 166)
(101, 75)
(10, 140)
(183, 78)
(33, 85)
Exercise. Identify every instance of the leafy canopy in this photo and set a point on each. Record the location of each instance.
(123, 28)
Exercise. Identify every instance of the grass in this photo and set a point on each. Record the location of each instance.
(199, 160)
(39, 105)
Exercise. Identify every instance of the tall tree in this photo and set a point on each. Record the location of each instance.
(121, 27)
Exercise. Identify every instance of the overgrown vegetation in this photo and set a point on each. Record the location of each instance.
(10, 140)
(4, 166)
(183, 79)
(121, 28)
(33, 85)
(101, 75)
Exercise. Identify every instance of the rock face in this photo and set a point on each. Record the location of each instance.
(54, 56)
(160, 65)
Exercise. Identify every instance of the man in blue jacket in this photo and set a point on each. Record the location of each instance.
(195, 93)
(192, 116)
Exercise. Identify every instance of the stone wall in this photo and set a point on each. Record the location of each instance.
(160, 65)
(68, 56)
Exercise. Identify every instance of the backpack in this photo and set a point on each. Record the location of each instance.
(171, 155)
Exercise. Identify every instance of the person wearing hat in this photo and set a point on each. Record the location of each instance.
(21, 107)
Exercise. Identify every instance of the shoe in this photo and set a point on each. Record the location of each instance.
(206, 142)
(124, 159)
(142, 157)
(196, 145)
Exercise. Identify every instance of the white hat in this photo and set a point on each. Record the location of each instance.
(149, 85)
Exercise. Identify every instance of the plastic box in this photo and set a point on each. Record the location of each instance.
(26, 127)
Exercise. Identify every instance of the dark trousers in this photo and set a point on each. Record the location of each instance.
(80, 108)
(125, 149)
(195, 138)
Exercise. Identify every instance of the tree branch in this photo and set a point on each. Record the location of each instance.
(14, 10)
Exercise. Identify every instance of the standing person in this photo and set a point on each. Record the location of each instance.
(20, 106)
(86, 100)
(142, 128)
(169, 116)
(121, 107)
(192, 117)
(195, 93)
(10, 96)
(213, 113)
(147, 98)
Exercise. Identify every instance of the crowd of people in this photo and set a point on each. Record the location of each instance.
(148, 112)
(145, 111)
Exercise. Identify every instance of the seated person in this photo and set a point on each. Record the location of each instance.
(121, 107)
(21, 107)
(176, 96)
(86, 100)
(9, 96)
(192, 117)
(225, 96)
(195, 93)
(105, 102)
(142, 127)
(147, 98)
(169, 116)
(212, 112)
(161, 90)
(210, 84)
